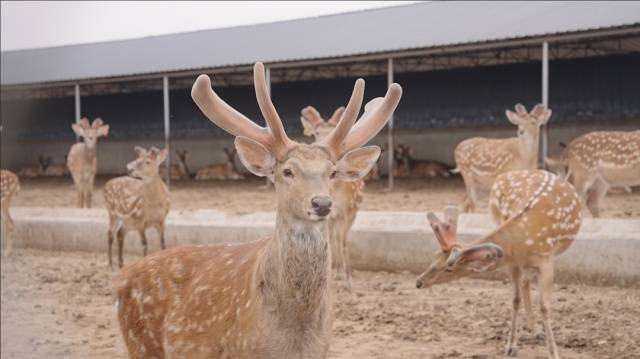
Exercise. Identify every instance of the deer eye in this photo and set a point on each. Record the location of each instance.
(287, 172)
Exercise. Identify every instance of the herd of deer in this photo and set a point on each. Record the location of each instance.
(273, 298)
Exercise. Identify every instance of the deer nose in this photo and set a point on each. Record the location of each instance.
(321, 205)
(419, 284)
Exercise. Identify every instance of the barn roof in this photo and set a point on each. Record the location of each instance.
(400, 28)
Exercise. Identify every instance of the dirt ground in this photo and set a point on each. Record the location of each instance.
(249, 195)
(60, 305)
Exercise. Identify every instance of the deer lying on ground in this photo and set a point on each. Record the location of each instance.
(178, 171)
(598, 161)
(81, 159)
(138, 201)
(539, 216)
(271, 298)
(480, 160)
(420, 168)
(56, 169)
(221, 171)
(34, 171)
(9, 186)
(346, 195)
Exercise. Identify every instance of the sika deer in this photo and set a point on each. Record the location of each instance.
(138, 201)
(178, 171)
(598, 161)
(539, 216)
(420, 168)
(9, 186)
(221, 171)
(81, 159)
(346, 195)
(481, 160)
(270, 298)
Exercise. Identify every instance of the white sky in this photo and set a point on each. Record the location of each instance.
(41, 24)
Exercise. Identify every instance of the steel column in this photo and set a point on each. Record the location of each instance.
(77, 95)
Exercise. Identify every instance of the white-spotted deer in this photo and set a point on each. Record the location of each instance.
(138, 201)
(81, 159)
(270, 298)
(539, 216)
(9, 186)
(598, 161)
(346, 195)
(480, 160)
(180, 170)
(221, 171)
(420, 168)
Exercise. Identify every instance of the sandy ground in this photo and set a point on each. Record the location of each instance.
(249, 195)
(60, 305)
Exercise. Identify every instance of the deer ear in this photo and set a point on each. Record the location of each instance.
(356, 164)
(161, 155)
(78, 130)
(255, 157)
(140, 151)
(309, 129)
(478, 258)
(544, 117)
(103, 130)
(513, 117)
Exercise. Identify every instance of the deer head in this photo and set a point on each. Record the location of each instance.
(302, 173)
(529, 122)
(90, 132)
(145, 167)
(454, 260)
(316, 126)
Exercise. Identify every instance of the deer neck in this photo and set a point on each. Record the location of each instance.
(153, 187)
(89, 153)
(295, 272)
(528, 149)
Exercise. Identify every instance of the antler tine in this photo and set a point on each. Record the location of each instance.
(84, 123)
(537, 110)
(334, 140)
(520, 109)
(281, 144)
(312, 115)
(377, 113)
(223, 115)
(337, 115)
(97, 123)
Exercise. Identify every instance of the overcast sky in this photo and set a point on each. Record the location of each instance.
(42, 24)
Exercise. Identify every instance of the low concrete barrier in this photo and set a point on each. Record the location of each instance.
(607, 251)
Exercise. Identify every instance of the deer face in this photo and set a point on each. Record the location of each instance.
(316, 126)
(453, 260)
(529, 122)
(90, 132)
(146, 165)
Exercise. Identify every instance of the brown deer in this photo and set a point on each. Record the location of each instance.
(539, 216)
(221, 171)
(271, 298)
(346, 195)
(138, 201)
(56, 169)
(480, 160)
(599, 161)
(9, 186)
(34, 171)
(420, 168)
(180, 170)
(81, 159)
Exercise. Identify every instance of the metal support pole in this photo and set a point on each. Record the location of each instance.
(545, 97)
(77, 104)
(390, 148)
(167, 128)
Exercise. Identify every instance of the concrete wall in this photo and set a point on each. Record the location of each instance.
(606, 251)
(436, 144)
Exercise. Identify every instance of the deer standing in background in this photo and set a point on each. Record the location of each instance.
(346, 195)
(271, 298)
(598, 161)
(480, 160)
(9, 186)
(138, 201)
(221, 171)
(539, 216)
(420, 168)
(81, 159)
(178, 171)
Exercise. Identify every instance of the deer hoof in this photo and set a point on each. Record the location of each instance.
(511, 351)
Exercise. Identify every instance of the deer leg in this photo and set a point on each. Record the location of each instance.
(526, 296)
(87, 197)
(143, 239)
(545, 285)
(469, 201)
(120, 235)
(160, 228)
(80, 198)
(598, 192)
(110, 242)
(512, 346)
(346, 261)
(8, 225)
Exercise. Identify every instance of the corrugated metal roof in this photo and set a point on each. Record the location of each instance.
(415, 26)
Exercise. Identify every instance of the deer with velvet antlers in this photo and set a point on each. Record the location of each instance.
(138, 201)
(271, 298)
(598, 161)
(480, 160)
(539, 216)
(346, 195)
(81, 159)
